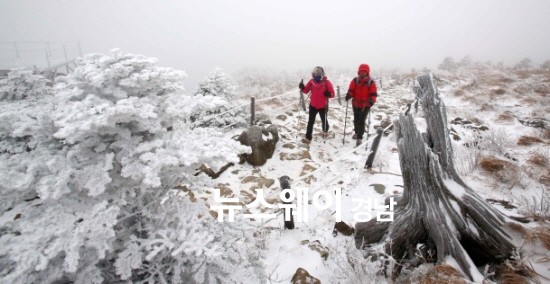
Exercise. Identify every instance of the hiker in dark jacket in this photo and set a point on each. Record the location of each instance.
(321, 90)
(363, 91)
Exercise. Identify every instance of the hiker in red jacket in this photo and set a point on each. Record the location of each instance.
(321, 90)
(363, 91)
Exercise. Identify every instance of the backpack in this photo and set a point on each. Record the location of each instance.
(368, 83)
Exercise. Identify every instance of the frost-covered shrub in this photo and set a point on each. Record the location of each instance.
(196, 249)
(101, 154)
(20, 84)
(231, 112)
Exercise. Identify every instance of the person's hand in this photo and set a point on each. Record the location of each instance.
(327, 94)
(301, 85)
(371, 102)
(348, 97)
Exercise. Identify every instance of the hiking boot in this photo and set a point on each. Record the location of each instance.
(325, 134)
(358, 142)
(354, 136)
(306, 141)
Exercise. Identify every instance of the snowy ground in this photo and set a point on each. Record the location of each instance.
(334, 164)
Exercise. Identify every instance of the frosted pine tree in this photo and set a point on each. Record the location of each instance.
(20, 84)
(85, 176)
(230, 113)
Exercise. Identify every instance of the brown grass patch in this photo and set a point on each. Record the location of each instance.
(458, 93)
(539, 159)
(523, 74)
(504, 171)
(516, 271)
(545, 179)
(529, 140)
(517, 228)
(499, 92)
(506, 116)
(497, 80)
(546, 134)
(541, 234)
(506, 80)
(542, 91)
(522, 90)
(476, 120)
(472, 99)
(492, 164)
(487, 107)
(443, 274)
(529, 101)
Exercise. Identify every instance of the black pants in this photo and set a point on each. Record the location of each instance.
(312, 114)
(359, 118)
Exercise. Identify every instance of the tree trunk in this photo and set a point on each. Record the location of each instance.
(437, 207)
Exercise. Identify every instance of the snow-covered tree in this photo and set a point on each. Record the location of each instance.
(545, 65)
(466, 61)
(86, 174)
(525, 63)
(20, 84)
(448, 64)
(231, 112)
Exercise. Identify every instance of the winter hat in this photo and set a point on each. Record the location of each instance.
(318, 71)
(364, 67)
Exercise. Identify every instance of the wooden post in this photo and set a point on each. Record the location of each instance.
(374, 148)
(338, 92)
(252, 110)
(47, 58)
(16, 49)
(285, 184)
(66, 59)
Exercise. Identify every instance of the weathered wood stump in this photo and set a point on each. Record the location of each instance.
(437, 207)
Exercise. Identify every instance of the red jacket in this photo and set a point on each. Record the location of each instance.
(318, 99)
(363, 92)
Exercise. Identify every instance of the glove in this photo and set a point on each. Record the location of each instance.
(348, 97)
(327, 94)
(371, 102)
(301, 85)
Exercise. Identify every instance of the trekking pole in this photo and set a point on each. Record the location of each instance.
(325, 125)
(368, 128)
(302, 100)
(345, 122)
(303, 106)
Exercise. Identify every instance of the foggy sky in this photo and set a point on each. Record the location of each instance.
(196, 36)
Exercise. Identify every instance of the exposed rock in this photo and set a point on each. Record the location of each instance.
(316, 246)
(225, 191)
(307, 169)
(301, 276)
(187, 191)
(262, 141)
(342, 228)
(259, 182)
(535, 122)
(468, 124)
(304, 154)
(289, 146)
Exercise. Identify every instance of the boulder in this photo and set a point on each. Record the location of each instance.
(262, 141)
(342, 228)
(302, 277)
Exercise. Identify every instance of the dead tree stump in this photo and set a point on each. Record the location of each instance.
(437, 207)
